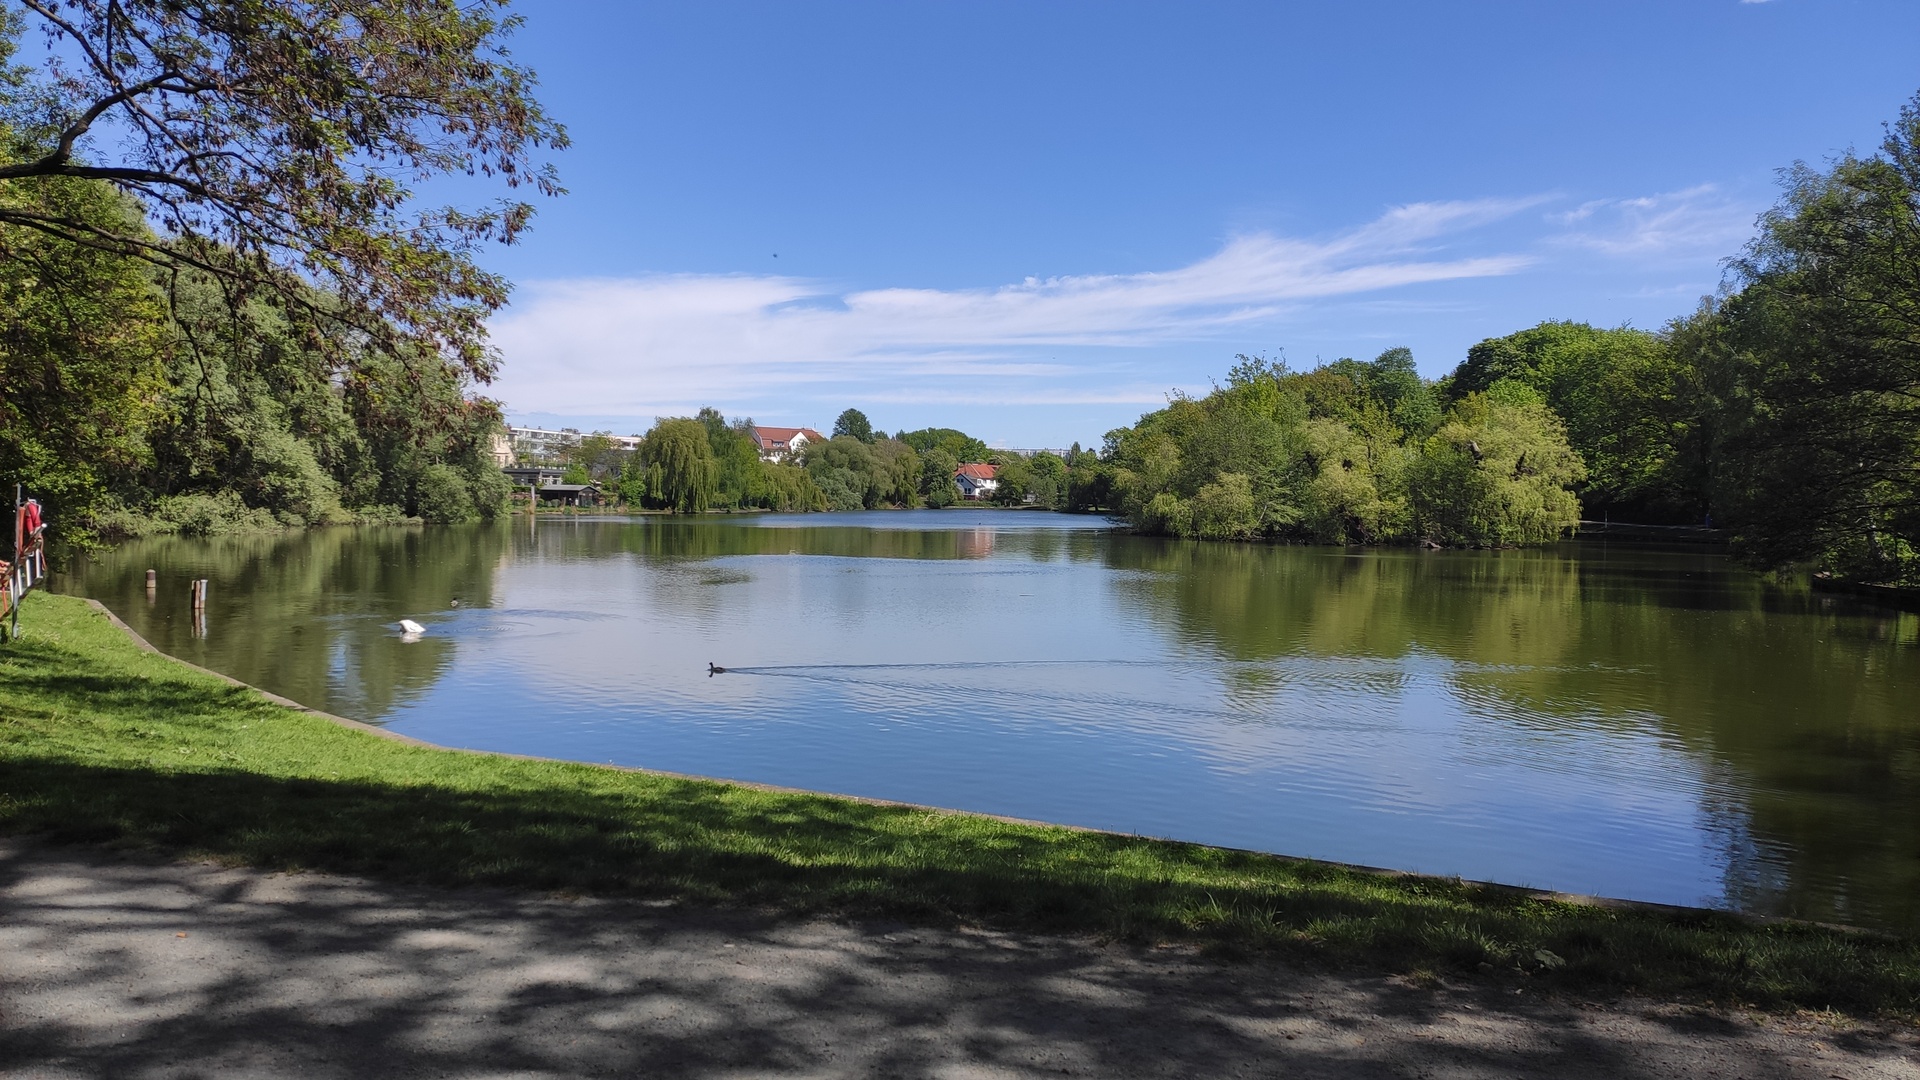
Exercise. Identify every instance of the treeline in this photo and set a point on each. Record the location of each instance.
(1785, 410)
(139, 398)
(1349, 453)
(707, 462)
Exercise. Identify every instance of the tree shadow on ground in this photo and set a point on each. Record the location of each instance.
(130, 968)
(615, 834)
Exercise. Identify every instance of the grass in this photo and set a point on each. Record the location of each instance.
(104, 743)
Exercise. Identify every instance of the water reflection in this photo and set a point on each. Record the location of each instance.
(1796, 710)
(1615, 720)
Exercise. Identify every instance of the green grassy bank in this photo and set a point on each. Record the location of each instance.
(104, 743)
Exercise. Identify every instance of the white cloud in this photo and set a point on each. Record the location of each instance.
(1701, 220)
(665, 343)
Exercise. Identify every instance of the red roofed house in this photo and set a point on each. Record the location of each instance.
(781, 443)
(977, 481)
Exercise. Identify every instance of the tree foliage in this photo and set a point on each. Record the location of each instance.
(853, 475)
(1617, 391)
(1816, 359)
(739, 479)
(854, 424)
(1787, 408)
(1348, 453)
(680, 469)
(83, 338)
(273, 144)
(961, 446)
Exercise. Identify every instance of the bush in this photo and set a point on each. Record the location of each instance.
(490, 489)
(211, 515)
(441, 496)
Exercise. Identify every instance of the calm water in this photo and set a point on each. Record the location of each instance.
(1614, 720)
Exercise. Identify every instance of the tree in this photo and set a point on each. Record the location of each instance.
(961, 445)
(1498, 473)
(678, 463)
(1820, 352)
(937, 485)
(1323, 457)
(273, 142)
(597, 456)
(1089, 482)
(1049, 480)
(854, 423)
(1617, 392)
(847, 472)
(83, 344)
(898, 472)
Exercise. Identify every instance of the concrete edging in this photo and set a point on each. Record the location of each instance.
(1576, 899)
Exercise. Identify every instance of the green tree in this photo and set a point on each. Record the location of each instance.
(1089, 483)
(83, 342)
(961, 445)
(598, 456)
(442, 496)
(937, 469)
(854, 424)
(273, 142)
(1822, 343)
(1497, 473)
(1337, 455)
(1013, 479)
(678, 459)
(844, 470)
(1049, 483)
(1619, 393)
(898, 472)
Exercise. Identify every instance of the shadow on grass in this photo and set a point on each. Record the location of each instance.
(161, 968)
(707, 843)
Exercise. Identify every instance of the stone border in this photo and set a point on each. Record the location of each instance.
(1577, 899)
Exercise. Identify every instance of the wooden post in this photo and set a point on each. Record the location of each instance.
(199, 594)
(153, 579)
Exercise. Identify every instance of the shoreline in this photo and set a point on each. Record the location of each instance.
(1523, 891)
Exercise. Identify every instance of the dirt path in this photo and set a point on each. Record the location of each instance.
(124, 968)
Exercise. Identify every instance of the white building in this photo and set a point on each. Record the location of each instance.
(977, 481)
(781, 443)
(543, 442)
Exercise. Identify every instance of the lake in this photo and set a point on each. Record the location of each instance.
(1646, 723)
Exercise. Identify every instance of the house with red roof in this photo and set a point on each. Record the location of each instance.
(781, 443)
(977, 481)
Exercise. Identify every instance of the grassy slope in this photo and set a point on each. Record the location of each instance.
(101, 742)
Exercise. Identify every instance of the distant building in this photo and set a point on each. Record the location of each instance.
(545, 442)
(537, 476)
(781, 443)
(977, 481)
(571, 494)
(500, 449)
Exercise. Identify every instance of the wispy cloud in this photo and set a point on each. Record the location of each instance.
(1677, 224)
(666, 343)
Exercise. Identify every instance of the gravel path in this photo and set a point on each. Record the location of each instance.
(113, 967)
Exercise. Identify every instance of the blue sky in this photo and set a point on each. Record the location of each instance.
(1033, 220)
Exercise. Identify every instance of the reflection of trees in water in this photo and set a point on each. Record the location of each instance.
(667, 539)
(306, 614)
(681, 553)
(1798, 708)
